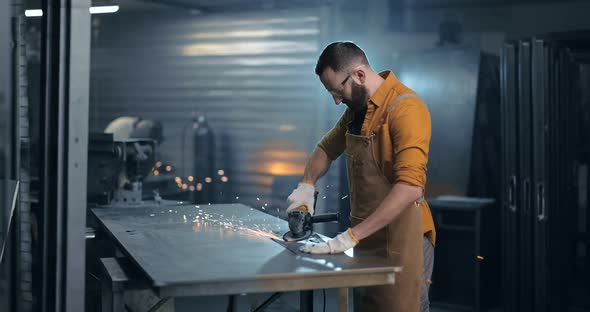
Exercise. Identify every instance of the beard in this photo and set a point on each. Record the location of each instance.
(358, 98)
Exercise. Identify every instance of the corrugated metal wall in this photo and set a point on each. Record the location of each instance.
(252, 74)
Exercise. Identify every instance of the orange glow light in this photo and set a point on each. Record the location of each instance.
(281, 168)
(208, 179)
(184, 186)
(191, 178)
(224, 179)
(168, 168)
(220, 172)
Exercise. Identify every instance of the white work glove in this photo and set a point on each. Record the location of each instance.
(303, 195)
(341, 243)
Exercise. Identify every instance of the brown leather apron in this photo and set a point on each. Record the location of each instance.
(400, 241)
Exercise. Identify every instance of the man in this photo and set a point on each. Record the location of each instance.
(385, 135)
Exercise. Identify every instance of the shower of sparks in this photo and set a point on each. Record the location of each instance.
(204, 220)
(259, 233)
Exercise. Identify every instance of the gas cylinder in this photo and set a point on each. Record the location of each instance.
(202, 160)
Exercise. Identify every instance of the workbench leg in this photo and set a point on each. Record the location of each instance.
(232, 303)
(306, 301)
(111, 301)
(342, 299)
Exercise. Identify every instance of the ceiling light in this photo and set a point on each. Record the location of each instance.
(33, 13)
(104, 9)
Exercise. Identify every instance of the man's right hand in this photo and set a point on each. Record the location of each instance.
(303, 195)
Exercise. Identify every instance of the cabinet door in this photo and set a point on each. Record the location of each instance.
(510, 190)
(525, 154)
(539, 204)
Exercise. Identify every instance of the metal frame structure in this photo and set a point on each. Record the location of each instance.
(64, 144)
(8, 276)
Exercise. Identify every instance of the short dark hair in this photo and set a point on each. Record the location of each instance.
(339, 56)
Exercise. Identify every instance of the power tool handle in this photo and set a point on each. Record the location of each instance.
(328, 217)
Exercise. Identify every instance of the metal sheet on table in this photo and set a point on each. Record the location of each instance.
(182, 245)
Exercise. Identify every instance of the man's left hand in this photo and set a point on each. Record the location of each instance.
(341, 243)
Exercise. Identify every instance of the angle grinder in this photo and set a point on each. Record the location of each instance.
(301, 222)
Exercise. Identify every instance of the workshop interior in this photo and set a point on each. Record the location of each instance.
(149, 147)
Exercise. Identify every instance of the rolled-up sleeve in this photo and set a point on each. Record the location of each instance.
(334, 142)
(410, 129)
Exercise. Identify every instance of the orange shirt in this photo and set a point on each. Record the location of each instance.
(402, 143)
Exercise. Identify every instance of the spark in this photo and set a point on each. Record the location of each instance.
(259, 233)
(344, 196)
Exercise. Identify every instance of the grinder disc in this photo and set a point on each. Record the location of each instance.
(289, 237)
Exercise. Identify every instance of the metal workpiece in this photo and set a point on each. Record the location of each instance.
(189, 250)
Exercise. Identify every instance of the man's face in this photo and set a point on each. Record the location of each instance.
(344, 89)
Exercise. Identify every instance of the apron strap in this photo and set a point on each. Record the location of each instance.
(381, 121)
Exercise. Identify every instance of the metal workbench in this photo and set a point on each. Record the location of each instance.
(189, 250)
